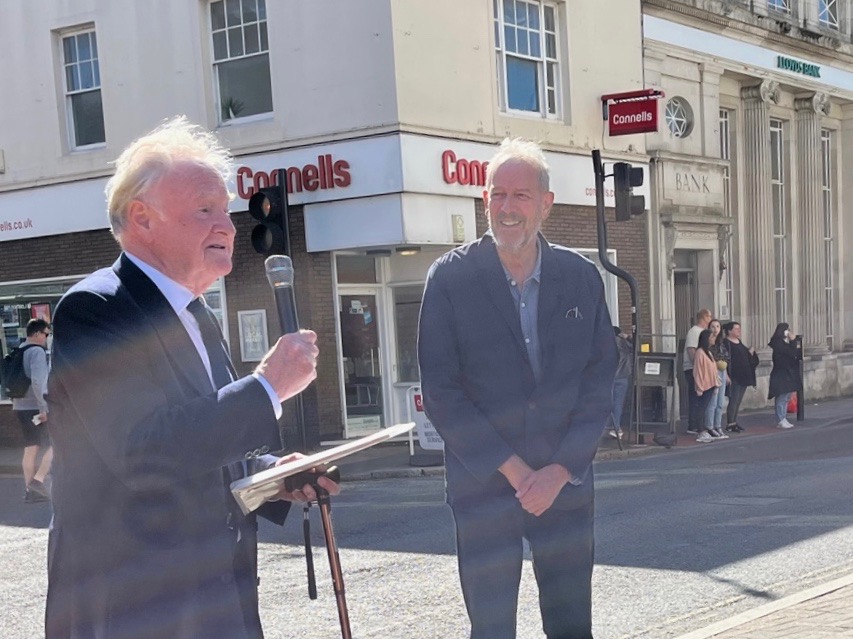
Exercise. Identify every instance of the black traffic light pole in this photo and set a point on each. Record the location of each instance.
(598, 167)
(269, 207)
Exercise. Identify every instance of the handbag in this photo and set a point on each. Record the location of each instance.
(792, 403)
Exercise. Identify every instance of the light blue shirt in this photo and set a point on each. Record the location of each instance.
(179, 297)
(526, 298)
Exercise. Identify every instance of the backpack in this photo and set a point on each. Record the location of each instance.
(15, 380)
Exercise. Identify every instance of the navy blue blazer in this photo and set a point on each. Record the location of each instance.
(146, 540)
(478, 387)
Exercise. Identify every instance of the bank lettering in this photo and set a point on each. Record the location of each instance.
(789, 64)
(691, 183)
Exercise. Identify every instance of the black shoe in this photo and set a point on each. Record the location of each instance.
(738, 429)
(731, 428)
(39, 488)
(32, 497)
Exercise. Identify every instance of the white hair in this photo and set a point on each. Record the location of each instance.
(149, 158)
(520, 150)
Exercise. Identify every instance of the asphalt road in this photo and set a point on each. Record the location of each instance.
(683, 538)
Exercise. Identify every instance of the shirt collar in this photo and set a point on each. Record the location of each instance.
(537, 268)
(176, 294)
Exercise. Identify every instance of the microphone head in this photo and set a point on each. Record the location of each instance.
(279, 270)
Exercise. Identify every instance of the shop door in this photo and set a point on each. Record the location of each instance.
(362, 363)
(685, 312)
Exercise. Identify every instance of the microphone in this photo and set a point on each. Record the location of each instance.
(279, 270)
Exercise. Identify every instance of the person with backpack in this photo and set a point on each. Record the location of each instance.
(30, 405)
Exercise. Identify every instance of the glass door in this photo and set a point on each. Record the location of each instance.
(362, 362)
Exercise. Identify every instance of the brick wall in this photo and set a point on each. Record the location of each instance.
(247, 288)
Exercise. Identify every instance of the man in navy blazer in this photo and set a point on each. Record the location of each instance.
(149, 421)
(517, 363)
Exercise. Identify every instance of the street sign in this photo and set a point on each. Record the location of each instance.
(631, 112)
(428, 437)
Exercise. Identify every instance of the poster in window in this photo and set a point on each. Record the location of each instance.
(40, 311)
(254, 339)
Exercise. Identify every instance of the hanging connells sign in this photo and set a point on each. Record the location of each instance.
(631, 112)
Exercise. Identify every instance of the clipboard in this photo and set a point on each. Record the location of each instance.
(252, 491)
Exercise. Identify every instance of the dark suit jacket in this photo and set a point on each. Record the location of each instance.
(478, 386)
(144, 540)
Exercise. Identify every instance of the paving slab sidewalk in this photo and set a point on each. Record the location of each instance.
(821, 612)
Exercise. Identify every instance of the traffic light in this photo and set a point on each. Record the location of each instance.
(625, 178)
(269, 207)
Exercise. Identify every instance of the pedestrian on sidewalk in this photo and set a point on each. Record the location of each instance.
(31, 411)
(722, 357)
(622, 381)
(691, 342)
(785, 375)
(706, 382)
(744, 361)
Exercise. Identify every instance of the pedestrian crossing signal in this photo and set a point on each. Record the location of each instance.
(625, 178)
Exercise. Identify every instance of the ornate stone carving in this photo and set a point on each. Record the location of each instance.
(767, 91)
(724, 234)
(669, 248)
(819, 103)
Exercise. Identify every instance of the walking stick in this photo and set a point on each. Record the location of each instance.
(325, 503)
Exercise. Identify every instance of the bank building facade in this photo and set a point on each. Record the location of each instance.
(752, 176)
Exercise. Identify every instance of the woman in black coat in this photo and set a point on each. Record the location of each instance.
(785, 376)
(742, 367)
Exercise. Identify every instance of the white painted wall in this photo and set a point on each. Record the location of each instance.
(331, 62)
(446, 70)
(339, 70)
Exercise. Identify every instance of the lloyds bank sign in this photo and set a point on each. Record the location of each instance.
(789, 64)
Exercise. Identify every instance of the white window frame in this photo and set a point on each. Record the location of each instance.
(827, 15)
(779, 222)
(826, 145)
(216, 63)
(782, 6)
(68, 93)
(220, 311)
(611, 282)
(728, 199)
(543, 61)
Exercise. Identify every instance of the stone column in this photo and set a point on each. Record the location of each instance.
(759, 313)
(812, 324)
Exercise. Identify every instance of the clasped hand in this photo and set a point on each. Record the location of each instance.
(540, 488)
(535, 489)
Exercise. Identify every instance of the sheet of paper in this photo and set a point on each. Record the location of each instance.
(252, 491)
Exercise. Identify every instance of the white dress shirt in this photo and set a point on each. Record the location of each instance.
(179, 297)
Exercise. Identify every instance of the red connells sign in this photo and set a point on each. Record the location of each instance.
(328, 173)
(461, 171)
(626, 118)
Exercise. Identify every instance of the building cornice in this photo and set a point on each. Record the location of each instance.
(755, 28)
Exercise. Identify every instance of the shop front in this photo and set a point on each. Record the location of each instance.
(368, 218)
